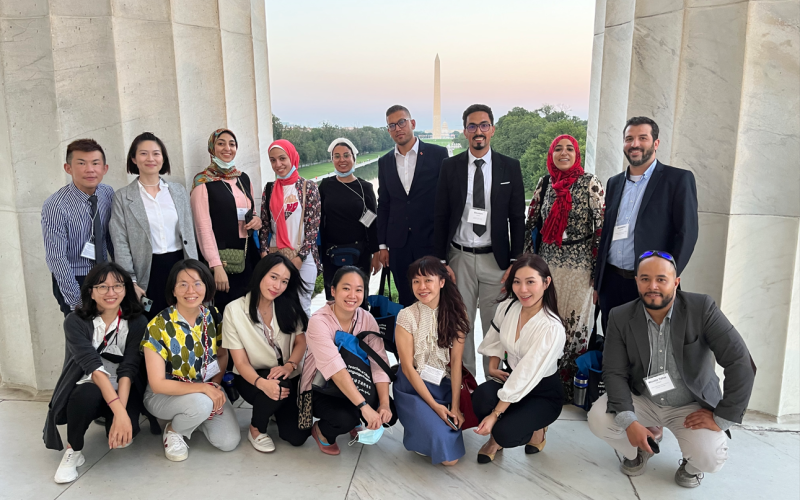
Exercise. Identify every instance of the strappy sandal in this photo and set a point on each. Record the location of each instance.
(531, 449)
(485, 458)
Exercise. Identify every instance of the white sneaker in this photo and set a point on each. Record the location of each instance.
(175, 448)
(262, 443)
(68, 468)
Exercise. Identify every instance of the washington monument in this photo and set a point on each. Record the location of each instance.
(437, 101)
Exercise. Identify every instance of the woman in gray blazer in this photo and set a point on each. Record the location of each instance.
(151, 222)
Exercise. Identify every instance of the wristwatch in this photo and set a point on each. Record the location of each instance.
(363, 403)
(497, 414)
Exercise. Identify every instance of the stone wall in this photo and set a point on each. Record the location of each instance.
(722, 80)
(110, 70)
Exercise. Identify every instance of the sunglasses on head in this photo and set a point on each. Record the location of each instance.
(658, 253)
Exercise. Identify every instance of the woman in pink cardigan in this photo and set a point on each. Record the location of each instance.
(341, 415)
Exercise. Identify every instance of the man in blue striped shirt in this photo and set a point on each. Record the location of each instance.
(75, 222)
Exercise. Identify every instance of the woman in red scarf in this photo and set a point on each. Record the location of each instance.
(567, 210)
(290, 209)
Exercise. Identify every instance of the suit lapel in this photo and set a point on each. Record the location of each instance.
(498, 168)
(136, 206)
(419, 166)
(658, 171)
(178, 201)
(463, 173)
(613, 208)
(638, 326)
(677, 330)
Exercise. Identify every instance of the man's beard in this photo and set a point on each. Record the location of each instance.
(647, 155)
(666, 301)
(480, 146)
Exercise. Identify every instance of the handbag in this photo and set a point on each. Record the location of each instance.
(385, 311)
(291, 253)
(344, 255)
(468, 386)
(356, 355)
(233, 259)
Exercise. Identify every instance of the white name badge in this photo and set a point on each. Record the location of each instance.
(241, 212)
(432, 375)
(368, 218)
(88, 251)
(211, 370)
(659, 383)
(477, 216)
(620, 232)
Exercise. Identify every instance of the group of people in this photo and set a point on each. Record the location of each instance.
(176, 301)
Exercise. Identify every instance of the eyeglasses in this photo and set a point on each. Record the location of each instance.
(104, 289)
(183, 286)
(484, 126)
(346, 156)
(400, 123)
(658, 253)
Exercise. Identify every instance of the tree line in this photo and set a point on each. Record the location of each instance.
(526, 136)
(312, 142)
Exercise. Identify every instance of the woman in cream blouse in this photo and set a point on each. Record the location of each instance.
(526, 395)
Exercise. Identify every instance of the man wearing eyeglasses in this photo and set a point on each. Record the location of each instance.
(407, 177)
(480, 199)
(650, 205)
(659, 370)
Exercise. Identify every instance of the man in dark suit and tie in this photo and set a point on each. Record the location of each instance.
(659, 370)
(407, 177)
(479, 200)
(650, 205)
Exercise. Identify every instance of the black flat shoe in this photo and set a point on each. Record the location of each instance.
(485, 458)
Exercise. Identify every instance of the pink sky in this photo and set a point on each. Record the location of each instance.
(346, 61)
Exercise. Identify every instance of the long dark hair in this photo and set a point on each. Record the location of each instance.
(130, 305)
(452, 321)
(538, 264)
(288, 310)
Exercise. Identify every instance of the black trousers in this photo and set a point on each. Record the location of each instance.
(538, 409)
(338, 416)
(160, 267)
(86, 404)
(400, 260)
(62, 304)
(285, 410)
(615, 291)
(328, 270)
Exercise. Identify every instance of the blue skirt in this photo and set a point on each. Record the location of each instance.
(423, 430)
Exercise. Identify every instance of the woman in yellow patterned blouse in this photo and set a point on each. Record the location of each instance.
(183, 357)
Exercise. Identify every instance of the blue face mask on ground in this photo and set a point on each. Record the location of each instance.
(368, 436)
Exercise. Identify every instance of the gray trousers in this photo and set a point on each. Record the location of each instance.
(704, 450)
(190, 412)
(478, 280)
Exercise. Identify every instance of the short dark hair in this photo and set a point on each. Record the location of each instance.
(396, 108)
(147, 136)
(86, 146)
(474, 109)
(642, 120)
(189, 265)
(288, 310)
(130, 305)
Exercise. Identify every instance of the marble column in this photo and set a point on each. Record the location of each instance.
(722, 80)
(110, 70)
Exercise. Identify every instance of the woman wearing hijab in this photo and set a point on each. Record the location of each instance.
(348, 227)
(290, 208)
(223, 209)
(567, 208)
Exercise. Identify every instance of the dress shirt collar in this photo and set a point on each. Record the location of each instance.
(645, 175)
(162, 184)
(487, 157)
(78, 193)
(667, 317)
(414, 148)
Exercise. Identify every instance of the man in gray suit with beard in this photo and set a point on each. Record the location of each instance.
(658, 368)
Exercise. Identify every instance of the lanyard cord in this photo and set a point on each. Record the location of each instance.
(362, 196)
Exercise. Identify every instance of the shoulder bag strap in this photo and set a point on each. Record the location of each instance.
(491, 324)
(301, 236)
(374, 355)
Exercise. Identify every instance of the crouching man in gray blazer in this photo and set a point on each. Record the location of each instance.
(658, 368)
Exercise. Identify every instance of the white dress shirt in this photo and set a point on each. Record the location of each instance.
(407, 165)
(465, 236)
(163, 219)
(531, 358)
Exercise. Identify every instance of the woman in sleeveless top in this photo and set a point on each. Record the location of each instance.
(222, 205)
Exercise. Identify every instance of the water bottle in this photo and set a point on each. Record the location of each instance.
(230, 390)
(581, 384)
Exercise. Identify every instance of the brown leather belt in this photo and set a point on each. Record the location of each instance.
(476, 251)
(628, 275)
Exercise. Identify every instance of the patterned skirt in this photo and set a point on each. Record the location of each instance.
(577, 310)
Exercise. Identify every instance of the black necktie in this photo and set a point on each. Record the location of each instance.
(478, 196)
(99, 237)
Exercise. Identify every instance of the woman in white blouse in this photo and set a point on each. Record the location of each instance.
(526, 395)
(151, 223)
(430, 337)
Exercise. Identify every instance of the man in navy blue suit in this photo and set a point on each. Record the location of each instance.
(407, 178)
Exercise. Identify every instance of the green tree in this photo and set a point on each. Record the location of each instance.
(277, 128)
(515, 131)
